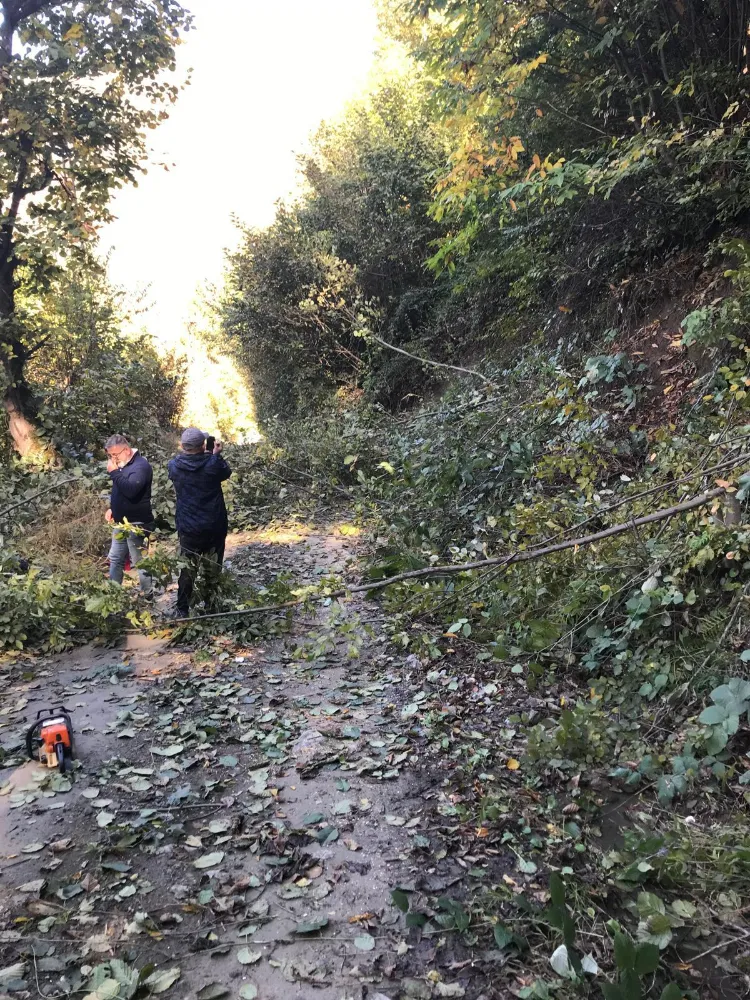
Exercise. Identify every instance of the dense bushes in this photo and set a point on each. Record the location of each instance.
(601, 137)
(561, 167)
(43, 612)
(133, 391)
(346, 260)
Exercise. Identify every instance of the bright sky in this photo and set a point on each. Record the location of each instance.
(265, 74)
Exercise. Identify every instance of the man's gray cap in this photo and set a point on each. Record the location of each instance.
(192, 438)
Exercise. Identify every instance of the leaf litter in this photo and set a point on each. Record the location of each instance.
(264, 790)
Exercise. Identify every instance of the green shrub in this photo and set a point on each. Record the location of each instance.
(49, 614)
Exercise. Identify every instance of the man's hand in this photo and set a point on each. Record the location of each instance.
(218, 446)
(112, 465)
(108, 516)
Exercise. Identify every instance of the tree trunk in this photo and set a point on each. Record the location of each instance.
(18, 399)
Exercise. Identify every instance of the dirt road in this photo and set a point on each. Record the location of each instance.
(237, 820)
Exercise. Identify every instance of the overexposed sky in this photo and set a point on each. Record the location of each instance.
(265, 74)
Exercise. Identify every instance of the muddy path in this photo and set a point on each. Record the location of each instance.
(238, 817)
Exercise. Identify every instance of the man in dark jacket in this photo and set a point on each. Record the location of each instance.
(130, 500)
(201, 513)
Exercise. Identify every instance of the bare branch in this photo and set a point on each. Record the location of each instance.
(427, 361)
(526, 555)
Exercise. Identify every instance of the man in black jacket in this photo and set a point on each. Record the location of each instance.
(201, 513)
(130, 500)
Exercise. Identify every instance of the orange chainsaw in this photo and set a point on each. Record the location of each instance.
(50, 739)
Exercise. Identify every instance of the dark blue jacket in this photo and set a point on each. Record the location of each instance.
(200, 501)
(131, 492)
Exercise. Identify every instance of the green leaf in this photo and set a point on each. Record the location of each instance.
(365, 942)
(648, 903)
(503, 937)
(116, 866)
(646, 959)
(248, 992)
(625, 951)
(459, 915)
(713, 715)
(106, 990)
(214, 991)
(247, 957)
(327, 835)
(556, 889)
(311, 926)
(400, 900)
(171, 751)
(672, 992)
(630, 984)
(684, 908)
(209, 860)
(12, 973)
(160, 982)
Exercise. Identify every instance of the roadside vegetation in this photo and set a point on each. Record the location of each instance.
(554, 197)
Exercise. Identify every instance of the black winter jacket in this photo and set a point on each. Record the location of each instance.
(131, 492)
(200, 501)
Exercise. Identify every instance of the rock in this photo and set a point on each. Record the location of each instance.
(416, 989)
(311, 748)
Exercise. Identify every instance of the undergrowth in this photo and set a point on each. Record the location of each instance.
(623, 661)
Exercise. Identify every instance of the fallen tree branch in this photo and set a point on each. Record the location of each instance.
(22, 503)
(427, 361)
(526, 555)
(661, 488)
(298, 486)
(299, 472)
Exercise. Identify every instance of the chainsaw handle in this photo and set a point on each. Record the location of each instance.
(30, 739)
(49, 712)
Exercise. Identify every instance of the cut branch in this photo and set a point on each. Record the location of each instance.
(525, 555)
(26, 500)
(427, 361)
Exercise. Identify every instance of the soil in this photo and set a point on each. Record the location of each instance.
(293, 771)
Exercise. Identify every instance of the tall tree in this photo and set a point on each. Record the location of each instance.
(81, 83)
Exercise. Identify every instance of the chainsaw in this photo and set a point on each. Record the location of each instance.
(50, 738)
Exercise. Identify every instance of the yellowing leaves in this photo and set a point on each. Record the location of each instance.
(512, 764)
(73, 33)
